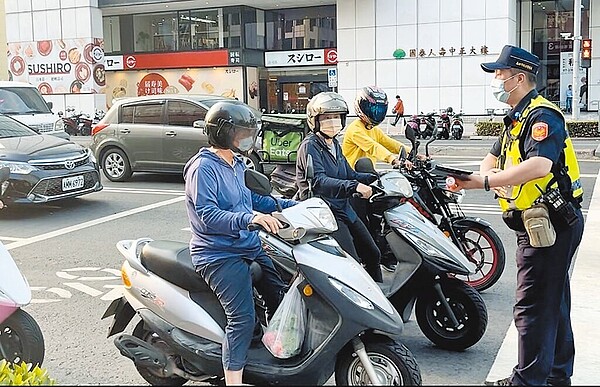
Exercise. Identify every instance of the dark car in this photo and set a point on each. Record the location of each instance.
(157, 133)
(44, 167)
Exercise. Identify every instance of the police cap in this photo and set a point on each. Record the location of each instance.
(514, 57)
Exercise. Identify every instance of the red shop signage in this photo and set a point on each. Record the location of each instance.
(176, 60)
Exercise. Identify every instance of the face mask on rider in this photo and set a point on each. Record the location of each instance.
(331, 126)
(245, 144)
(497, 86)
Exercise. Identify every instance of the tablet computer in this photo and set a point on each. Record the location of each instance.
(453, 170)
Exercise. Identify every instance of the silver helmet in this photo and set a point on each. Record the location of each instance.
(327, 102)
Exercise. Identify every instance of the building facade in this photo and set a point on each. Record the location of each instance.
(275, 55)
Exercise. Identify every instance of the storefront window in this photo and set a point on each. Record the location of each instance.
(232, 28)
(199, 30)
(155, 32)
(301, 28)
(254, 28)
(550, 19)
(112, 34)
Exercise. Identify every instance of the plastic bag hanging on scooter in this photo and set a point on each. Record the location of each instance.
(285, 333)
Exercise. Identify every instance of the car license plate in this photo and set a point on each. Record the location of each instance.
(73, 182)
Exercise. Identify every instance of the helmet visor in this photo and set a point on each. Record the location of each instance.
(375, 111)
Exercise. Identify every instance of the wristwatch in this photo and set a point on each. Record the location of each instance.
(486, 183)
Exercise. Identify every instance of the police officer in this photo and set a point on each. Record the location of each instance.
(533, 162)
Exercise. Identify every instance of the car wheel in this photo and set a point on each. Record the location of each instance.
(252, 161)
(115, 165)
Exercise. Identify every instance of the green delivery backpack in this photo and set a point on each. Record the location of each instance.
(281, 137)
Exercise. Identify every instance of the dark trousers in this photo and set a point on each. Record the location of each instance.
(230, 280)
(398, 116)
(361, 207)
(542, 311)
(356, 240)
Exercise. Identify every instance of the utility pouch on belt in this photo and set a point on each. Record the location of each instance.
(561, 210)
(538, 226)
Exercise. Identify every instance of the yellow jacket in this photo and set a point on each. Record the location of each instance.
(359, 142)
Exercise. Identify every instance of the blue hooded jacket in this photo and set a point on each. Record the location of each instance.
(219, 208)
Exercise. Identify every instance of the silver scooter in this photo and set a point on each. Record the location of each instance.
(352, 330)
(449, 312)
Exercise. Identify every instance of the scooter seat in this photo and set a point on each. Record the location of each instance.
(172, 261)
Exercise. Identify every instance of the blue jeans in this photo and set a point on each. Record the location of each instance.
(542, 311)
(569, 106)
(230, 280)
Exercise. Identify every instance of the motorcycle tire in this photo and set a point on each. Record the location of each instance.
(489, 269)
(391, 360)
(86, 130)
(155, 376)
(21, 339)
(468, 307)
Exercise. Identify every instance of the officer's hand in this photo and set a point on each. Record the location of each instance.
(421, 157)
(467, 182)
(269, 223)
(500, 191)
(365, 190)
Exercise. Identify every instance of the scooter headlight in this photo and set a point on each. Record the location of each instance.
(352, 294)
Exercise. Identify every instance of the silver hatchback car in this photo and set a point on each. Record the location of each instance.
(154, 134)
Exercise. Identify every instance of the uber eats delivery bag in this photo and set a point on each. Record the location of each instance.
(281, 137)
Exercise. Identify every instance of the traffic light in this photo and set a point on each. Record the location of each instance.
(586, 53)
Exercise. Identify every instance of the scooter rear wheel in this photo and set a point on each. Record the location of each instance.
(155, 376)
(21, 339)
(394, 365)
(468, 308)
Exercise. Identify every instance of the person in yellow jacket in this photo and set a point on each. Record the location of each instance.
(363, 138)
(534, 172)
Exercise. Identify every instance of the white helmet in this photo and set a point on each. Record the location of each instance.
(327, 102)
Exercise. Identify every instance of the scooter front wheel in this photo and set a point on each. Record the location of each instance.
(468, 308)
(155, 376)
(394, 365)
(21, 339)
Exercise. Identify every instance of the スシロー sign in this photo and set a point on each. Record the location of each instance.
(301, 57)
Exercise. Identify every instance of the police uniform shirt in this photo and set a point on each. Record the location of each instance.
(551, 145)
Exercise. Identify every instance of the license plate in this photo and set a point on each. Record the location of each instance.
(73, 182)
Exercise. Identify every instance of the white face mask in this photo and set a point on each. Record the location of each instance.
(331, 127)
(497, 86)
(245, 144)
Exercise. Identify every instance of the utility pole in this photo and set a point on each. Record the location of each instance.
(576, 56)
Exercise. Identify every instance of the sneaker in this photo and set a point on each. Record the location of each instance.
(501, 382)
(388, 266)
(393, 124)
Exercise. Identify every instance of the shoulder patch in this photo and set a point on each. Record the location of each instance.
(539, 131)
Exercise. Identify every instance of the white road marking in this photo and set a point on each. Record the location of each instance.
(62, 274)
(144, 191)
(115, 292)
(83, 288)
(186, 229)
(91, 223)
(10, 239)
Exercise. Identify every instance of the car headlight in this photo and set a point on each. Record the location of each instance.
(91, 156)
(351, 294)
(18, 168)
(59, 125)
(325, 217)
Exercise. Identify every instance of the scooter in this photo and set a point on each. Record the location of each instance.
(21, 338)
(443, 126)
(457, 126)
(449, 312)
(427, 125)
(352, 329)
(474, 236)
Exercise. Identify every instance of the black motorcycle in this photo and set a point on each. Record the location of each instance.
(474, 236)
(427, 125)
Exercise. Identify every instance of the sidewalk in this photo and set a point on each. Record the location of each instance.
(585, 309)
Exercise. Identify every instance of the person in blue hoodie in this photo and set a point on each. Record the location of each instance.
(335, 181)
(220, 208)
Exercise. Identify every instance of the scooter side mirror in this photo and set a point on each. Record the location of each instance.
(199, 124)
(410, 134)
(364, 165)
(257, 182)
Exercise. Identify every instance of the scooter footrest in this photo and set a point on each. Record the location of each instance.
(140, 352)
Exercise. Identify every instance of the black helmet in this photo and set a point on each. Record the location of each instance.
(326, 102)
(371, 105)
(226, 119)
(449, 110)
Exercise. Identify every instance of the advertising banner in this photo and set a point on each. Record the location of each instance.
(227, 82)
(59, 66)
